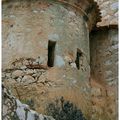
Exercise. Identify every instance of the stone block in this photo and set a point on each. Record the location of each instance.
(17, 73)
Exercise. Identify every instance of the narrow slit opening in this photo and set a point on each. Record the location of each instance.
(51, 53)
(77, 61)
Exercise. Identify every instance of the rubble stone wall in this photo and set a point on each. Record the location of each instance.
(104, 55)
(104, 71)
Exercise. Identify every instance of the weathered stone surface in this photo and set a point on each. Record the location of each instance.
(104, 71)
(19, 80)
(53, 37)
(103, 64)
(45, 85)
(109, 10)
(27, 27)
(32, 32)
(96, 92)
(8, 75)
(109, 73)
(28, 79)
(23, 67)
(73, 65)
(29, 71)
(22, 74)
(17, 73)
(40, 60)
(108, 62)
(59, 61)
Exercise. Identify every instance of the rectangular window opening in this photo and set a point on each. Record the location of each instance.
(77, 61)
(51, 53)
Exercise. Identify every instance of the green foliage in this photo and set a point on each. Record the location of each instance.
(64, 110)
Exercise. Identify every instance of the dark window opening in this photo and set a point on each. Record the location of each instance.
(51, 53)
(77, 61)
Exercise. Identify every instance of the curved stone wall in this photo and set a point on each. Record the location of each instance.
(28, 28)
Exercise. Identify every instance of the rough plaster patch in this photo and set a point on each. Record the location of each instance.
(71, 14)
(59, 61)
(53, 37)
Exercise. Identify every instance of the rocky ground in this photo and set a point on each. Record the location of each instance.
(13, 109)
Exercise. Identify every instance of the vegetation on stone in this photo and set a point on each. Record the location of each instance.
(64, 110)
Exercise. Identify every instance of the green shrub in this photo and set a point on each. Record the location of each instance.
(64, 110)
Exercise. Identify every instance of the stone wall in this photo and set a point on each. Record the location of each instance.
(104, 71)
(104, 55)
(29, 26)
(27, 29)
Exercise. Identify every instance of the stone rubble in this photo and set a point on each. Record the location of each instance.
(13, 109)
(22, 74)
